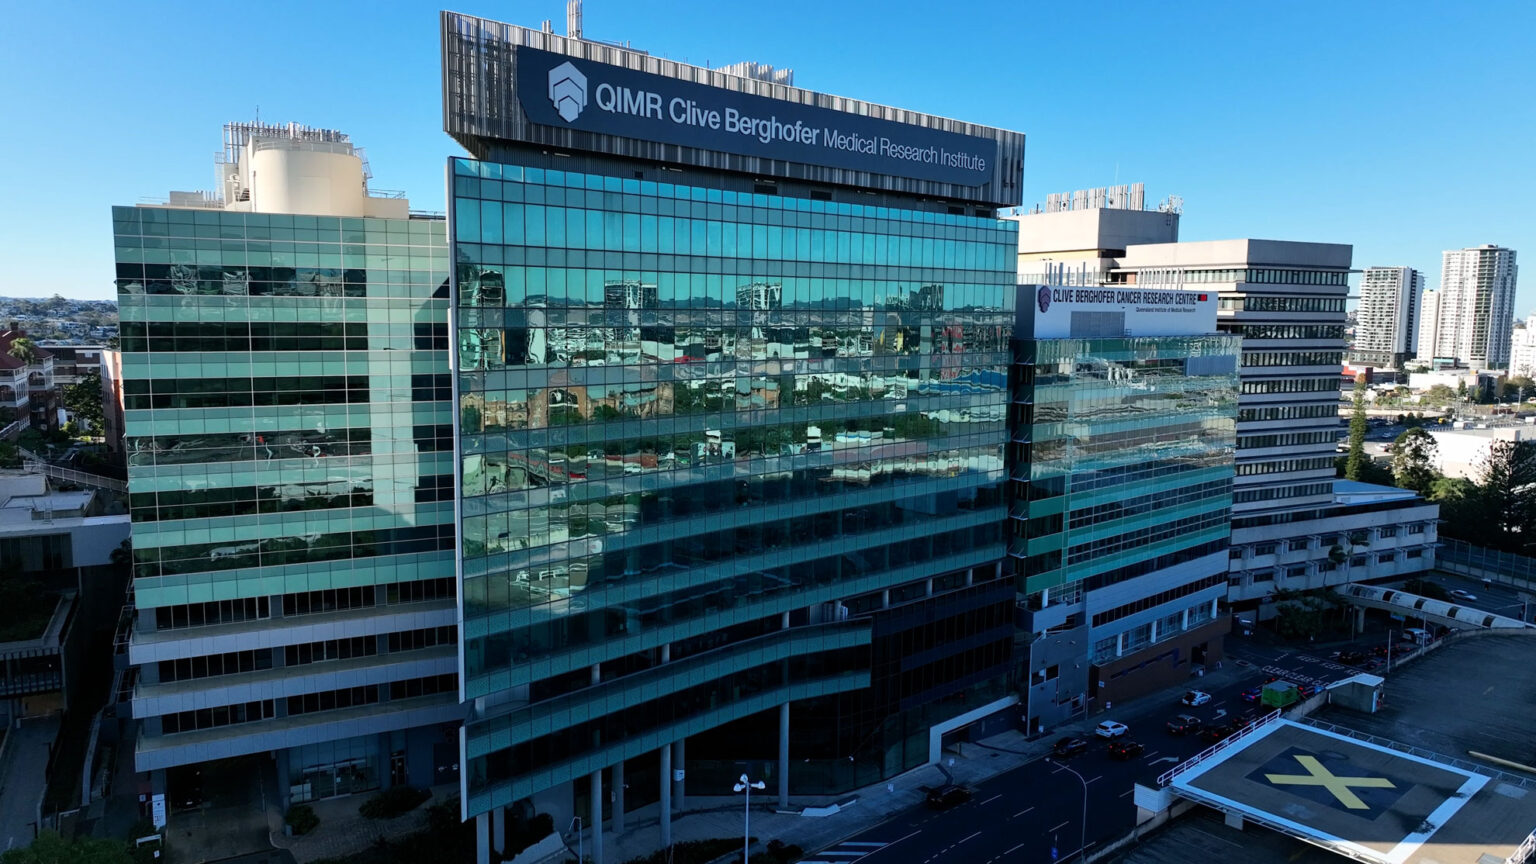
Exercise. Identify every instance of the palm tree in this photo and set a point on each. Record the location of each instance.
(23, 349)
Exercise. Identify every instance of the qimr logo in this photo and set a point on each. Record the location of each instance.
(567, 91)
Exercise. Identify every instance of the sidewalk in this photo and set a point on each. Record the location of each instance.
(343, 831)
(25, 773)
(975, 762)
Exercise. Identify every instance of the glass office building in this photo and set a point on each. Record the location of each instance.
(290, 448)
(1122, 498)
(731, 443)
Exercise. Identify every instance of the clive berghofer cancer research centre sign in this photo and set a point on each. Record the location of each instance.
(559, 91)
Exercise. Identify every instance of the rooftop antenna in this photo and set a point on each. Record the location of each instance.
(573, 18)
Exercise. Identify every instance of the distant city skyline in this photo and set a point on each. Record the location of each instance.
(1295, 136)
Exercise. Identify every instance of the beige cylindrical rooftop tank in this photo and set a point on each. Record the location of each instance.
(313, 182)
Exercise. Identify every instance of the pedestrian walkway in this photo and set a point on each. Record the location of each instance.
(23, 775)
(343, 830)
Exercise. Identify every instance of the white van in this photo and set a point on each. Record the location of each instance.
(1417, 635)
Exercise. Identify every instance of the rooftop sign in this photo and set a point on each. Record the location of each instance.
(1063, 312)
(565, 92)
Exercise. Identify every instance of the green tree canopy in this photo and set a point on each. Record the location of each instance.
(23, 349)
(1413, 461)
(1507, 484)
(83, 400)
(1355, 462)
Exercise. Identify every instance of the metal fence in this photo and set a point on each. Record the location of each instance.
(1458, 556)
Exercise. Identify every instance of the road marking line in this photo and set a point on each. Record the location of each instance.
(845, 854)
(1020, 813)
(1100, 777)
(977, 834)
(861, 843)
(894, 842)
(1061, 826)
(1014, 849)
(993, 798)
(1126, 792)
(1153, 753)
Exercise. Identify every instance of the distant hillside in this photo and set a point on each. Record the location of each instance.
(61, 318)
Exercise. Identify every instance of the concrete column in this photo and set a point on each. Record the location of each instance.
(284, 785)
(483, 839)
(1184, 620)
(928, 588)
(885, 599)
(618, 797)
(666, 653)
(680, 763)
(597, 816)
(784, 619)
(1119, 644)
(666, 795)
(499, 830)
(970, 577)
(784, 756)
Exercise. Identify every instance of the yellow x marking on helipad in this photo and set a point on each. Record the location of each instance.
(1317, 775)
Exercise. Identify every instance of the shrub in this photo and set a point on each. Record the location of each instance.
(302, 819)
(393, 802)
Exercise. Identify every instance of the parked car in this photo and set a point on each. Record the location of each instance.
(1196, 698)
(1066, 747)
(1125, 749)
(1373, 664)
(1351, 658)
(1460, 594)
(1110, 729)
(1183, 724)
(1252, 694)
(948, 796)
(1307, 691)
(1379, 651)
(1217, 731)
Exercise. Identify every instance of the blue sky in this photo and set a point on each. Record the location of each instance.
(1403, 128)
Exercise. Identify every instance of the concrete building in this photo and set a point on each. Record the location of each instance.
(1126, 405)
(27, 395)
(1462, 452)
(1522, 349)
(1075, 238)
(1429, 327)
(732, 421)
(1386, 327)
(1477, 296)
(287, 413)
(1287, 301)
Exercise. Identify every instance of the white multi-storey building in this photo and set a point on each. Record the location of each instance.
(1429, 325)
(1477, 295)
(1522, 349)
(1385, 328)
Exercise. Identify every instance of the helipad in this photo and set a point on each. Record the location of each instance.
(1363, 800)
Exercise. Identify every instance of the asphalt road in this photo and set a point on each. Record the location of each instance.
(1035, 813)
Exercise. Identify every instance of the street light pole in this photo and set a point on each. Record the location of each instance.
(1082, 843)
(576, 823)
(745, 785)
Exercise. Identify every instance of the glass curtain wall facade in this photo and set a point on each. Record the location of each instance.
(288, 415)
(694, 420)
(1120, 532)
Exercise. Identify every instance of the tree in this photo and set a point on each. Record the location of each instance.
(50, 848)
(83, 400)
(1463, 511)
(1507, 486)
(23, 349)
(1441, 394)
(1355, 462)
(1413, 460)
